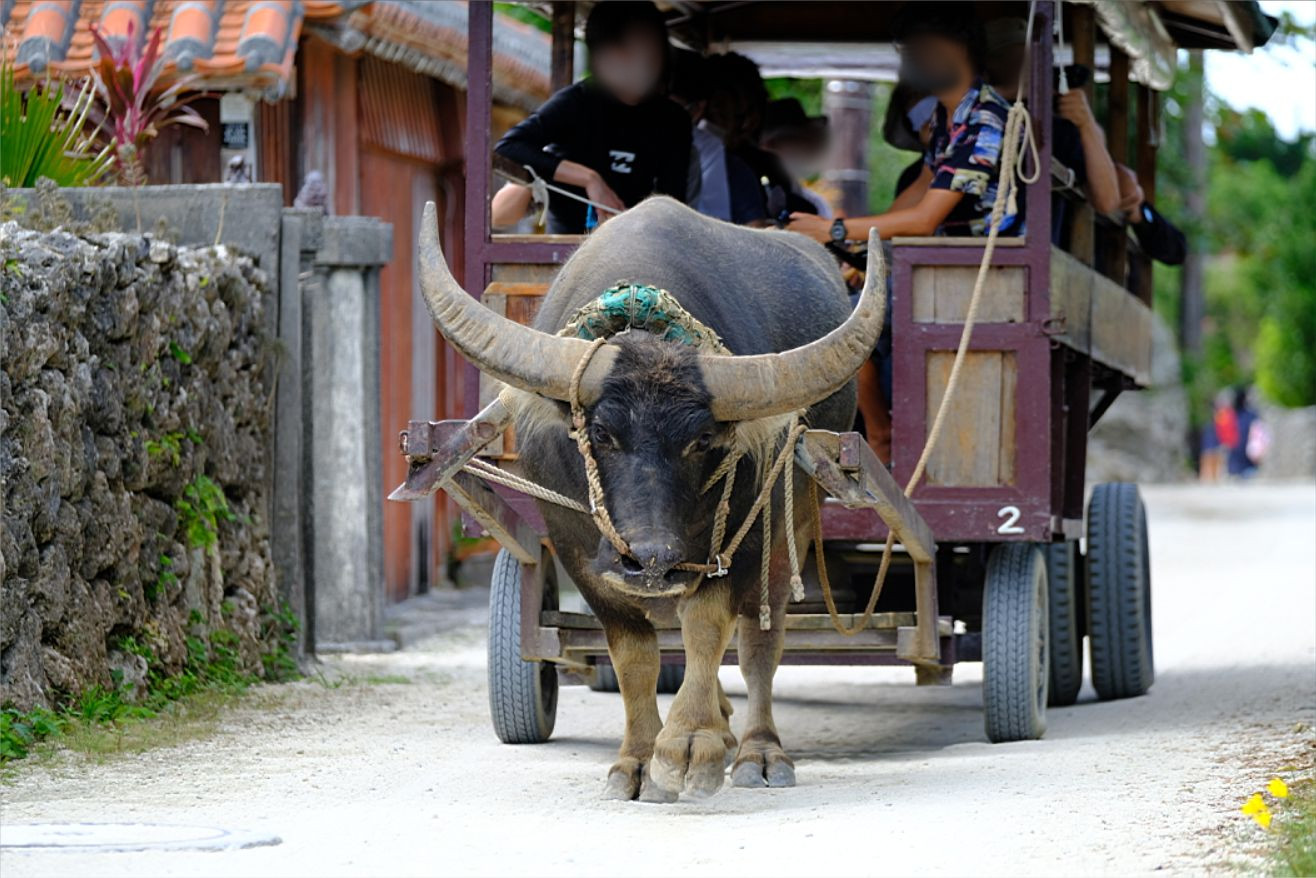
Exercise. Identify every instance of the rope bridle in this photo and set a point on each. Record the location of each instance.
(720, 555)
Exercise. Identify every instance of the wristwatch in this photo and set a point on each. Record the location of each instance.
(838, 230)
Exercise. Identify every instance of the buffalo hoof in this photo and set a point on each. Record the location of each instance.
(692, 763)
(624, 779)
(762, 763)
(628, 780)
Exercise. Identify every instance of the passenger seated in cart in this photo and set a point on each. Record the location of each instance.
(613, 138)
(1078, 141)
(942, 52)
(721, 184)
(738, 108)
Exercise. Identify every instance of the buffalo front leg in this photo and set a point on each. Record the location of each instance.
(635, 658)
(761, 761)
(689, 755)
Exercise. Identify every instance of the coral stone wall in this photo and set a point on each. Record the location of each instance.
(134, 448)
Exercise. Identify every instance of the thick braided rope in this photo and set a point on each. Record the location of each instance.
(1017, 124)
(490, 473)
(597, 506)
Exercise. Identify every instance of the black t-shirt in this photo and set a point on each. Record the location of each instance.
(639, 150)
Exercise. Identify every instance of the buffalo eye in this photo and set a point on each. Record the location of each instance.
(704, 442)
(600, 437)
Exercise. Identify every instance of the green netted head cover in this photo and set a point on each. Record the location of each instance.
(639, 306)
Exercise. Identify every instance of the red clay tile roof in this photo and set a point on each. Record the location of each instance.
(252, 44)
(232, 43)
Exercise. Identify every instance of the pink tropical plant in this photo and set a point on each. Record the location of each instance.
(126, 75)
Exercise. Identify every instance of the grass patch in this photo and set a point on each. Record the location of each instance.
(1295, 830)
(102, 722)
(386, 680)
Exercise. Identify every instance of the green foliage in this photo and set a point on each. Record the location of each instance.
(20, 730)
(807, 91)
(169, 444)
(213, 666)
(1261, 286)
(43, 138)
(201, 508)
(164, 581)
(281, 624)
(1295, 822)
(125, 76)
(525, 14)
(176, 351)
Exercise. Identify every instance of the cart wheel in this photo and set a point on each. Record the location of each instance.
(1119, 592)
(669, 678)
(1066, 632)
(1014, 648)
(522, 694)
(605, 678)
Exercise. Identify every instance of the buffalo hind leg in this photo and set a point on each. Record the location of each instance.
(635, 658)
(761, 760)
(690, 753)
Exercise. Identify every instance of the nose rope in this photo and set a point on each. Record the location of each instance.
(721, 557)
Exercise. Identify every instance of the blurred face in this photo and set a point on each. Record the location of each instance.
(1004, 67)
(629, 69)
(932, 63)
(803, 158)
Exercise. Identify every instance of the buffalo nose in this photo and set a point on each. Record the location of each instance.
(657, 557)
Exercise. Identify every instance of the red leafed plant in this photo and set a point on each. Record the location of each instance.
(126, 76)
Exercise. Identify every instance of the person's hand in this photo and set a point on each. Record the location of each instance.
(598, 191)
(1131, 194)
(1073, 106)
(811, 225)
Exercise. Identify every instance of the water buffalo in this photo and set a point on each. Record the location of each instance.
(661, 416)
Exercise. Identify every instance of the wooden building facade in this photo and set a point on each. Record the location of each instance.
(369, 93)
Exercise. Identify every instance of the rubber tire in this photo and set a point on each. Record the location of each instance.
(1119, 592)
(1065, 637)
(522, 694)
(670, 678)
(1014, 643)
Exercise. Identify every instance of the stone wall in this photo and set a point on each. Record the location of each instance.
(135, 435)
(1144, 436)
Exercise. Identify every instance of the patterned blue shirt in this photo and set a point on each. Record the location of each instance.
(965, 156)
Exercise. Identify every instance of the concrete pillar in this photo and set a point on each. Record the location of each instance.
(340, 472)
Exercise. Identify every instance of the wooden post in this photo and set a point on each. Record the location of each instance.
(1115, 263)
(564, 45)
(1082, 35)
(1148, 140)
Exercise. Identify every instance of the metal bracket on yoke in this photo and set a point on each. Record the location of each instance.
(436, 452)
(845, 467)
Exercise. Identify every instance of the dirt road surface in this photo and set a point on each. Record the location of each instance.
(397, 771)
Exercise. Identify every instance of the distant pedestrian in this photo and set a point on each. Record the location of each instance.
(1241, 444)
(1219, 434)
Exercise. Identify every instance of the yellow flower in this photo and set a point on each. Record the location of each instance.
(1256, 808)
(1278, 788)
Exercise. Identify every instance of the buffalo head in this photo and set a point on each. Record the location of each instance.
(660, 415)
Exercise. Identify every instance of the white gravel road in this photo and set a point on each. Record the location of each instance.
(402, 779)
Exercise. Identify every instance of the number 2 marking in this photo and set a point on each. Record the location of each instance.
(1011, 524)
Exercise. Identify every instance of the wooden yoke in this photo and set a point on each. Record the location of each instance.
(844, 465)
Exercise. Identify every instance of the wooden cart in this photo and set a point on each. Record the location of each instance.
(988, 565)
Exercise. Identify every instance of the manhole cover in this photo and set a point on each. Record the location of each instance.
(129, 837)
